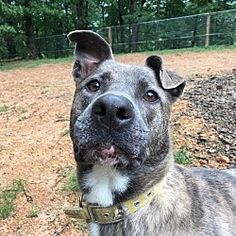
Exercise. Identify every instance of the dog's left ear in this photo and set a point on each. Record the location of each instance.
(90, 51)
(172, 83)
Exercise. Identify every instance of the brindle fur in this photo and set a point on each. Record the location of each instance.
(193, 201)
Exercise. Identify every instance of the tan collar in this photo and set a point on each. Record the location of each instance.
(115, 213)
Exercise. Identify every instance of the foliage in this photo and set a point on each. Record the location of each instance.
(7, 197)
(34, 211)
(65, 132)
(4, 108)
(26, 24)
(181, 157)
(71, 184)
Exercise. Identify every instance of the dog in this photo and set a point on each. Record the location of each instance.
(120, 133)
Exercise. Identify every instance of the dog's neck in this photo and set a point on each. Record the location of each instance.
(105, 185)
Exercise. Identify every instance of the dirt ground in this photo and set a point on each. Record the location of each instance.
(34, 141)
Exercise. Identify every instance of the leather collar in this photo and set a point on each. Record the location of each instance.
(114, 213)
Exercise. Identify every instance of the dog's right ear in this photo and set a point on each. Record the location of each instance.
(90, 51)
(172, 83)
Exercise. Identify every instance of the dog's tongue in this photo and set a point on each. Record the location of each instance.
(108, 152)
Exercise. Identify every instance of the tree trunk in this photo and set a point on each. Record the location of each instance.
(158, 7)
(132, 6)
(82, 14)
(120, 8)
(29, 31)
(120, 22)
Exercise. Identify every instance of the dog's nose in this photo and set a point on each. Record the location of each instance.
(113, 110)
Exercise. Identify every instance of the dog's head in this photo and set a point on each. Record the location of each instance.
(120, 112)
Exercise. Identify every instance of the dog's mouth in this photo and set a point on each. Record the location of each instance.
(110, 154)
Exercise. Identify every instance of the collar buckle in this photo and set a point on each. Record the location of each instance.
(107, 215)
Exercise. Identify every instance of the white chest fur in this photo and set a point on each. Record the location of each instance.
(103, 181)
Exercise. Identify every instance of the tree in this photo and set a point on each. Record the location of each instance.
(29, 30)
(37, 28)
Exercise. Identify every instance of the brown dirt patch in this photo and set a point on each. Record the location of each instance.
(35, 146)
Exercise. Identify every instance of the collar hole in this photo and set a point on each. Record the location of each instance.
(106, 214)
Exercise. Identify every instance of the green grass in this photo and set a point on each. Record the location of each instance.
(24, 113)
(21, 110)
(182, 157)
(8, 196)
(4, 108)
(64, 132)
(183, 50)
(34, 211)
(35, 63)
(194, 49)
(71, 184)
(44, 92)
(32, 63)
(24, 117)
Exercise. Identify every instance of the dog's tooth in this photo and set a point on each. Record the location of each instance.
(108, 152)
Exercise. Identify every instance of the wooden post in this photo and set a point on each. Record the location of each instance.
(208, 27)
(109, 36)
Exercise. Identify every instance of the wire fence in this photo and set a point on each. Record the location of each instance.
(201, 30)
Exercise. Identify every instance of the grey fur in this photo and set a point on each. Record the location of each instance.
(193, 201)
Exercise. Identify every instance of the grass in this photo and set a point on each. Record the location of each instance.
(181, 157)
(64, 132)
(34, 211)
(24, 113)
(4, 108)
(35, 63)
(32, 63)
(185, 50)
(71, 184)
(24, 117)
(8, 196)
(44, 92)
(21, 110)
(194, 49)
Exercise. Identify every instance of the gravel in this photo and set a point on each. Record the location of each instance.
(214, 99)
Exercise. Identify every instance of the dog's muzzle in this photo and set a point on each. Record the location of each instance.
(113, 111)
(111, 132)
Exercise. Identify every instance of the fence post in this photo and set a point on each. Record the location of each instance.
(208, 27)
(109, 36)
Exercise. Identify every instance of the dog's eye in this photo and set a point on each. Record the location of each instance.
(93, 85)
(150, 96)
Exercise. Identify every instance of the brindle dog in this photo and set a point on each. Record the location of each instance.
(119, 128)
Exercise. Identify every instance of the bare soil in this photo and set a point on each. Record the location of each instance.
(35, 145)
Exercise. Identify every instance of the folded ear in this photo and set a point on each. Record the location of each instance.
(171, 82)
(90, 51)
